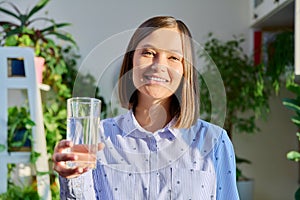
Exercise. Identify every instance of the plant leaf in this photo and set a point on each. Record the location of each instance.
(242, 160)
(293, 155)
(63, 37)
(16, 143)
(34, 156)
(41, 4)
(55, 26)
(9, 12)
(292, 104)
(296, 120)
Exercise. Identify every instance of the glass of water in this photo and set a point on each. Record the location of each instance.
(83, 119)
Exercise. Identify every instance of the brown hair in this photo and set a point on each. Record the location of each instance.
(185, 102)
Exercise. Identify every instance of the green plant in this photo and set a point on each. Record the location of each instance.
(279, 50)
(294, 105)
(20, 193)
(19, 131)
(21, 32)
(60, 64)
(19, 120)
(246, 94)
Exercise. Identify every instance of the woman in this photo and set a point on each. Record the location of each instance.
(159, 149)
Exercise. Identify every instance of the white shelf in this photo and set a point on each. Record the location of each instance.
(28, 83)
(15, 157)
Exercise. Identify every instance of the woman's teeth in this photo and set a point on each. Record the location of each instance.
(157, 79)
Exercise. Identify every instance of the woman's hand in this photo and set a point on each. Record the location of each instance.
(60, 158)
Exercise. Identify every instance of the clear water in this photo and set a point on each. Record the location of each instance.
(83, 131)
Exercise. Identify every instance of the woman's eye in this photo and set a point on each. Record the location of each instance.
(175, 58)
(148, 53)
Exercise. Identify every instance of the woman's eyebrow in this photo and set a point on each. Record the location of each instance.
(168, 50)
(148, 46)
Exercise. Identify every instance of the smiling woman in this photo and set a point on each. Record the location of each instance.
(159, 149)
(168, 39)
(157, 73)
(157, 68)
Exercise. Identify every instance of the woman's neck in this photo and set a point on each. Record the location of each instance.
(152, 114)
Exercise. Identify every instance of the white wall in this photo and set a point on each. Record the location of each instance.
(275, 177)
(98, 26)
(96, 22)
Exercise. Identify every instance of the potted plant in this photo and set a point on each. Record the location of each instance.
(20, 31)
(19, 127)
(294, 105)
(246, 93)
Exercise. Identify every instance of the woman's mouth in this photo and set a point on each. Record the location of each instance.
(156, 79)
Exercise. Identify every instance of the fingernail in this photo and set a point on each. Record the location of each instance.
(80, 170)
(75, 157)
(69, 143)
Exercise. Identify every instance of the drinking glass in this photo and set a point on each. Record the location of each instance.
(83, 119)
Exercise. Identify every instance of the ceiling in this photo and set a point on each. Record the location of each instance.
(281, 17)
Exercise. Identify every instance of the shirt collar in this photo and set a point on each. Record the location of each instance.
(130, 127)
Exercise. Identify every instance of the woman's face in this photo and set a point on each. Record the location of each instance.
(158, 63)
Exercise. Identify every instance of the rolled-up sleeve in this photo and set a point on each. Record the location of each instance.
(80, 188)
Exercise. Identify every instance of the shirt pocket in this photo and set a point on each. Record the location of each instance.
(193, 184)
(116, 182)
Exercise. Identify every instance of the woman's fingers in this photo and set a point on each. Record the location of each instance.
(62, 145)
(101, 146)
(68, 172)
(60, 158)
(61, 167)
(83, 148)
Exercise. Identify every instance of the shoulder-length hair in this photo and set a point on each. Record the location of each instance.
(185, 101)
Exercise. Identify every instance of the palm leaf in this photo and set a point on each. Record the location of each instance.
(63, 37)
(53, 27)
(41, 4)
(292, 104)
(296, 120)
(9, 12)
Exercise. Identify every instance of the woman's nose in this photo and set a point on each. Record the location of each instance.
(160, 63)
(158, 68)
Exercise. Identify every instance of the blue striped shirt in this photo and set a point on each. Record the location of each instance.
(194, 163)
